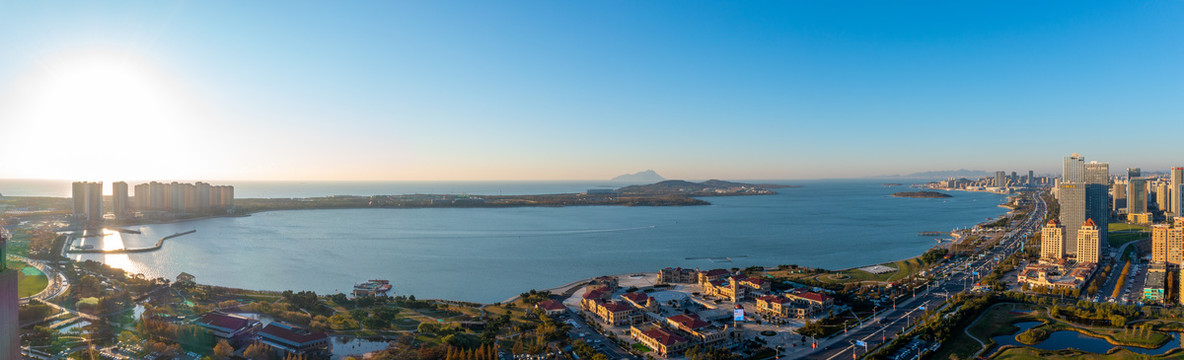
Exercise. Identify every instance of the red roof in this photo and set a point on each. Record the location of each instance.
(1089, 222)
(637, 297)
(551, 305)
(716, 272)
(813, 296)
(615, 307)
(689, 321)
(1054, 222)
(593, 294)
(291, 334)
(231, 322)
(663, 337)
(775, 299)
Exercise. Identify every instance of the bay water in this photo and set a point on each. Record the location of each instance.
(489, 255)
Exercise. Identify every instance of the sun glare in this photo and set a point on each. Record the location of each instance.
(97, 115)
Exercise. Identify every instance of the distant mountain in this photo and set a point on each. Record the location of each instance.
(644, 177)
(942, 174)
(706, 188)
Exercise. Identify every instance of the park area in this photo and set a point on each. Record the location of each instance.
(29, 280)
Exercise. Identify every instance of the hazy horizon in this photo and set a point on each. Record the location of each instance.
(538, 91)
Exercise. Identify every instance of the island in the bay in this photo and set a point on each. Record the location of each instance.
(922, 194)
(665, 193)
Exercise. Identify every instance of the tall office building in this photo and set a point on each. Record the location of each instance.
(88, 200)
(1132, 173)
(1161, 196)
(1031, 177)
(1118, 190)
(1177, 180)
(1089, 242)
(1052, 241)
(10, 336)
(1136, 196)
(1000, 179)
(1074, 170)
(119, 199)
(1097, 179)
(1073, 205)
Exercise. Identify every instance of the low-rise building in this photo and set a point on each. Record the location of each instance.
(236, 330)
(640, 300)
(662, 342)
(618, 313)
(551, 307)
(1155, 284)
(782, 306)
(699, 331)
(678, 276)
(810, 298)
(591, 296)
(289, 339)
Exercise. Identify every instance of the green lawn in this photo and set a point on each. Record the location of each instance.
(640, 348)
(1117, 239)
(996, 321)
(1125, 227)
(29, 280)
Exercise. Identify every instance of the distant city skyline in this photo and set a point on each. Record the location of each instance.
(579, 91)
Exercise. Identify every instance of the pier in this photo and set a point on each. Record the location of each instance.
(158, 245)
(931, 233)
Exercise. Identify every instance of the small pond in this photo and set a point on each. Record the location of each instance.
(1068, 339)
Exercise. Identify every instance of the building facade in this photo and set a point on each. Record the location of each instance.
(1089, 246)
(1052, 241)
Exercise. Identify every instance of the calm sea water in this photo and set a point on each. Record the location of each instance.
(488, 255)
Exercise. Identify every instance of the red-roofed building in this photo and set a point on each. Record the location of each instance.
(811, 298)
(678, 276)
(639, 300)
(781, 306)
(616, 313)
(695, 328)
(591, 296)
(236, 330)
(551, 307)
(663, 342)
(292, 340)
(713, 275)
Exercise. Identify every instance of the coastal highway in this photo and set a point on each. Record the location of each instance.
(949, 281)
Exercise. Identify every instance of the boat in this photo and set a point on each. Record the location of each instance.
(373, 287)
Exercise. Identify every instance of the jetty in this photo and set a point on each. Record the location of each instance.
(159, 244)
(932, 233)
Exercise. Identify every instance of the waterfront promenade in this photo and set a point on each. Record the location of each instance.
(159, 244)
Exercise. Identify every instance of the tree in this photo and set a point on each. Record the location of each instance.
(223, 349)
(257, 351)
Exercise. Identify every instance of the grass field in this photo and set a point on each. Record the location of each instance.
(1117, 239)
(996, 321)
(1125, 227)
(904, 268)
(29, 282)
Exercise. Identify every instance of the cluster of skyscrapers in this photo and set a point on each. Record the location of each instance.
(1134, 195)
(198, 198)
(1083, 195)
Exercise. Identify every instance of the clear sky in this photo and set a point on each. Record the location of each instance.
(448, 90)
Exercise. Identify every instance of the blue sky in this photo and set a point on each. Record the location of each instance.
(587, 90)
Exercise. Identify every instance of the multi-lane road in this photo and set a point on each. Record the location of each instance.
(950, 278)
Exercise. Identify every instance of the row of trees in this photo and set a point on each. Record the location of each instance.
(1126, 268)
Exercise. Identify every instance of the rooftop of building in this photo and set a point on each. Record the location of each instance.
(663, 337)
(292, 333)
(551, 305)
(227, 321)
(690, 321)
